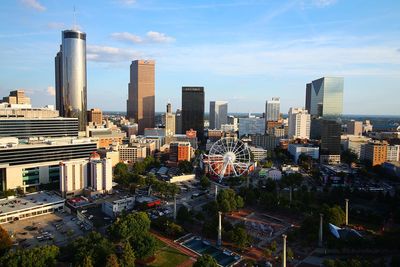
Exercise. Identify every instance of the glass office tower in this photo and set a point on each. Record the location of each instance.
(327, 97)
(193, 110)
(70, 69)
(218, 114)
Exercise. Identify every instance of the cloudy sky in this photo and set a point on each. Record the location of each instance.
(242, 51)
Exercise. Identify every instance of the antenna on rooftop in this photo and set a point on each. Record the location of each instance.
(74, 26)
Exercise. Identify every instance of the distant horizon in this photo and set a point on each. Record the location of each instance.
(260, 113)
(249, 53)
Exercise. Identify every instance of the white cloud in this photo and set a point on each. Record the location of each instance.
(55, 25)
(324, 3)
(151, 37)
(127, 2)
(111, 54)
(51, 91)
(308, 57)
(33, 4)
(159, 37)
(126, 36)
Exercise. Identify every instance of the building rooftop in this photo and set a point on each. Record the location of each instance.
(30, 201)
(38, 119)
(32, 143)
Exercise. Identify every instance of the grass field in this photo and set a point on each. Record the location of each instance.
(167, 256)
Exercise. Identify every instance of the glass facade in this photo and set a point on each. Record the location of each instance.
(54, 173)
(193, 110)
(30, 176)
(70, 69)
(38, 154)
(23, 128)
(327, 97)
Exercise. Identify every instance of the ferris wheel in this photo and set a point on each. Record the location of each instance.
(229, 157)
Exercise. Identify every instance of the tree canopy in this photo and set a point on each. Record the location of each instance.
(93, 245)
(205, 261)
(228, 200)
(5, 241)
(45, 256)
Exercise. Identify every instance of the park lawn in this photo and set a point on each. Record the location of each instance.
(167, 256)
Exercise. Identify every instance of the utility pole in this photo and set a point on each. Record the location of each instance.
(284, 251)
(321, 220)
(347, 211)
(174, 207)
(219, 241)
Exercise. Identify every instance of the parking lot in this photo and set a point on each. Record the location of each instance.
(56, 228)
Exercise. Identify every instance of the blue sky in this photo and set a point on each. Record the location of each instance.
(241, 51)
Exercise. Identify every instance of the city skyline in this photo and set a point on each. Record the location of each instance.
(312, 39)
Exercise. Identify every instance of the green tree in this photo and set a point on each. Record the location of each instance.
(239, 202)
(35, 257)
(185, 166)
(174, 230)
(205, 261)
(131, 225)
(268, 164)
(228, 201)
(240, 237)
(349, 157)
(87, 262)
(120, 169)
(268, 253)
(205, 182)
(290, 254)
(144, 245)
(183, 215)
(335, 215)
(112, 261)
(329, 263)
(273, 246)
(5, 241)
(94, 245)
(128, 256)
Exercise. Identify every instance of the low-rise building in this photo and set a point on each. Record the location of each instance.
(355, 144)
(392, 167)
(376, 152)
(115, 206)
(30, 205)
(180, 151)
(355, 128)
(258, 153)
(37, 162)
(290, 168)
(297, 149)
(271, 173)
(77, 175)
(132, 153)
(393, 153)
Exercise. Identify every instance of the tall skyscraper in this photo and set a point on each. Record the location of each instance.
(169, 121)
(299, 123)
(141, 99)
(330, 142)
(70, 77)
(326, 97)
(218, 114)
(193, 109)
(178, 121)
(308, 97)
(272, 109)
